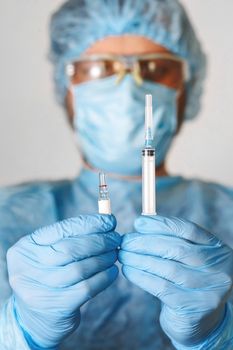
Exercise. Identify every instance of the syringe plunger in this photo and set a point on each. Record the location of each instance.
(148, 100)
(148, 121)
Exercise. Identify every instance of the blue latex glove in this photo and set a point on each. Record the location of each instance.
(187, 268)
(58, 268)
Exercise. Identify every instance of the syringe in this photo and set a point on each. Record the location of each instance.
(148, 163)
(104, 200)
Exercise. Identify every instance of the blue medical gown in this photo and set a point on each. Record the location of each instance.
(123, 316)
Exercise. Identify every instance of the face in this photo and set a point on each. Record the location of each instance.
(133, 45)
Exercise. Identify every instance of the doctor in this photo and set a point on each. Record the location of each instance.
(63, 288)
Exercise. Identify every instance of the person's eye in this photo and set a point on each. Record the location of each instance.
(161, 71)
(101, 70)
(82, 70)
(154, 69)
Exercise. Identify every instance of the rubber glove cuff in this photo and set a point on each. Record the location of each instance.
(11, 334)
(28, 338)
(220, 338)
(33, 345)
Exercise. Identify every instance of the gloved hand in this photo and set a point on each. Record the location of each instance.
(58, 268)
(184, 266)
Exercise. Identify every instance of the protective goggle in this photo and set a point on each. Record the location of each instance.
(162, 68)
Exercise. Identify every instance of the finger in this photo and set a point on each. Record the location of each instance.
(176, 227)
(69, 275)
(172, 248)
(65, 251)
(173, 296)
(173, 271)
(89, 288)
(80, 225)
(83, 247)
(70, 298)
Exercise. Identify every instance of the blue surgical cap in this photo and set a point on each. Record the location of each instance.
(78, 24)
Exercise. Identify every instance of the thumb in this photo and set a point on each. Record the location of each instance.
(80, 225)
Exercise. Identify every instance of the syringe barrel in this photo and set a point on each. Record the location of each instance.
(148, 182)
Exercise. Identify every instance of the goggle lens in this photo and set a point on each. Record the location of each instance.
(165, 71)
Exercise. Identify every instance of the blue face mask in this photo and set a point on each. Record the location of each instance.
(109, 122)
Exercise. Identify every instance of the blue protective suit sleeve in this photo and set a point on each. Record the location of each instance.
(23, 209)
(219, 339)
(11, 335)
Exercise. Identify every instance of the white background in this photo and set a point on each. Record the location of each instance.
(35, 141)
